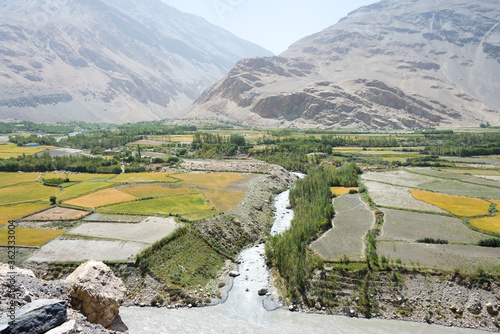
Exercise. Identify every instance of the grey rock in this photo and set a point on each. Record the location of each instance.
(39, 316)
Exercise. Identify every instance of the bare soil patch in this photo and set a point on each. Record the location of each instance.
(57, 213)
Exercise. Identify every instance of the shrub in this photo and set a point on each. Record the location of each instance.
(432, 241)
(492, 242)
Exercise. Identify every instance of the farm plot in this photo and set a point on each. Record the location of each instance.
(351, 222)
(149, 230)
(57, 213)
(8, 179)
(444, 174)
(80, 189)
(458, 205)
(398, 178)
(342, 190)
(397, 197)
(477, 162)
(98, 217)
(411, 226)
(60, 250)
(101, 197)
(80, 177)
(447, 257)
(13, 151)
(15, 211)
(223, 199)
(155, 190)
(30, 236)
(453, 187)
(26, 192)
(218, 180)
(491, 224)
(143, 178)
(182, 204)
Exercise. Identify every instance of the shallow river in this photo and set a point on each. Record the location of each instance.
(243, 311)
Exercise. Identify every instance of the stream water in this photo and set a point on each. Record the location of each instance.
(244, 311)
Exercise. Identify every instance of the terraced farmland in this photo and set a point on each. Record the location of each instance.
(351, 222)
(30, 236)
(342, 190)
(80, 177)
(12, 150)
(15, 211)
(458, 205)
(101, 197)
(155, 190)
(218, 180)
(26, 192)
(411, 226)
(80, 189)
(223, 199)
(8, 179)
(143, 178)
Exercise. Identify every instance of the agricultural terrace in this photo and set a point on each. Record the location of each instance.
(8, 179)
(466, 258)
(458, 188)
(57, 213)
(81, 189)
(463, 177)
(491, 224)
(457, 205)
(79, 176)
(182, 204)
(30, 236)
(26, 192)
(223, 199)
(12, 212)
(411, 226)
(101, 197)
(218, 180)
(351, 222)
(13, 151)
(391, 196)
(399, 177)
(155, 190)
(342, 190)
(143, 178)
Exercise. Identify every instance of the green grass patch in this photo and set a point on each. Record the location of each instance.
(81, 189)
(27, 192)
(182, 204)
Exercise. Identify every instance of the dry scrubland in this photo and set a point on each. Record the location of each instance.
(351, 222)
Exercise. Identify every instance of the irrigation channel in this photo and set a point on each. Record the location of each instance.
(245, 311)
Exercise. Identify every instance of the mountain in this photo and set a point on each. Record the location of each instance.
(105, 60)
(396, 64)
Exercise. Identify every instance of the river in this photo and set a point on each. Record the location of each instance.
(244, 312)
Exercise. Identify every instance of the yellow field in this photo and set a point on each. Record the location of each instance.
(80, 189)
(143, 177)
(27, 192)
(223, 199)
(7, 179)
(199, 215)
(29, 236)
(341, 190)
(458, 205)
(491, 224)
(219, 180)
(15, 211)
(156, 190)
(172, 138)
(12, 150)
(100, 198)
(80, 177)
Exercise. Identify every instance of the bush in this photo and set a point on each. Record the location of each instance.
(493, 242)
(433, 241)
(353, 191)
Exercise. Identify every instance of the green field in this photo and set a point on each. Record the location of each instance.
(80, 189)
(16, 211)
(182, 204)
(80, 177)
(26, 192)
(8, 179)
(30, 236)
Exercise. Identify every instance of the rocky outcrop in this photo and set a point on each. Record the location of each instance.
(37, 317)
(96, 292)
(392, 65)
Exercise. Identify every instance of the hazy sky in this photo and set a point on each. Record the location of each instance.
(272, 24)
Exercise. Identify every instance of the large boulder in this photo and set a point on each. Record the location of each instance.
(96, 292)
(39, 316)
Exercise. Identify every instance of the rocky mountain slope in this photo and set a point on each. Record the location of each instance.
(394, 64)
(104, 60)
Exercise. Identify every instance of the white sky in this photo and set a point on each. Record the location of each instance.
(272, 24)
